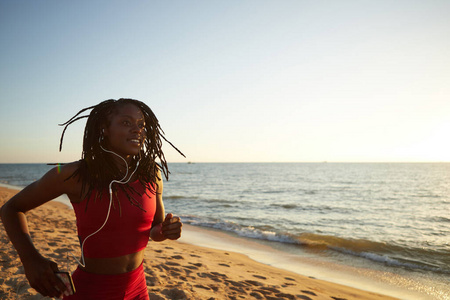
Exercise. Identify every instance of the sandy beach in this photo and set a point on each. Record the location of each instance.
(174, 269)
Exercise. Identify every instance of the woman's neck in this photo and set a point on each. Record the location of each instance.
(123, 163)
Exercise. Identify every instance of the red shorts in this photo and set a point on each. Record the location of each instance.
(126, 286)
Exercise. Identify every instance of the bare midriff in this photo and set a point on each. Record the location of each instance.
(114, 265)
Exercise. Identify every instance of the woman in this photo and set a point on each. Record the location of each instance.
(116, 192)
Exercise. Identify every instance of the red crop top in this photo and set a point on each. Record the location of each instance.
(122, 234)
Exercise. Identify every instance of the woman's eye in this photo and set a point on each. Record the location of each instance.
(126, 123)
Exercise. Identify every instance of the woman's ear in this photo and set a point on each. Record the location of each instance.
(103, 135)
(104, 131)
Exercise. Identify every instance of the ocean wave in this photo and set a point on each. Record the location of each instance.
(202, 201)
(272, 192)
(310, 192)
(427, 196)
(382, 252)
(378, 252)
(286, 206)
(439, 219)
(316, 208)
(410, 264)
(178, 197)
(226, 201)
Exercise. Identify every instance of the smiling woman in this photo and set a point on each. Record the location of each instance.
(117, 209)
(126, 130)
(116, 118)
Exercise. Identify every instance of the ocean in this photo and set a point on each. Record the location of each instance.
(392, 218)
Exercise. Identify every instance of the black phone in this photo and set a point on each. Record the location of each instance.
(67, 279)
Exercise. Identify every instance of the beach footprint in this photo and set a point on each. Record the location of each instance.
(309, 293)
(177, 257)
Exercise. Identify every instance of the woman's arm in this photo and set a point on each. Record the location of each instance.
(164, 228)
(38, 270)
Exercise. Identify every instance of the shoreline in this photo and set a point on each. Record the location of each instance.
(174, 269)
(268, 253)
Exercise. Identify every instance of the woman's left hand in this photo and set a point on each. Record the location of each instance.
(171, 227)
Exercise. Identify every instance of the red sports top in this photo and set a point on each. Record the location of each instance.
(127, 229)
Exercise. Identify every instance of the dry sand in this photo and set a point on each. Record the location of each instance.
(174, 270)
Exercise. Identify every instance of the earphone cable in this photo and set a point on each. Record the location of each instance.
(83, 263)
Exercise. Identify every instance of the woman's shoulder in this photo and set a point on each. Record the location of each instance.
(68, 169)
(70, 177)
(64, 174)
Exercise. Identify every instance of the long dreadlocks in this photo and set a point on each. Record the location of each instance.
(97, 169)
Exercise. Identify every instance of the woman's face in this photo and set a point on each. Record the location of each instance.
(126, 131)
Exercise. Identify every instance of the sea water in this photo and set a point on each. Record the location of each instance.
(392, 218)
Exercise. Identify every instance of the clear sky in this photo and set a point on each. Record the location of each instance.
(233, 81)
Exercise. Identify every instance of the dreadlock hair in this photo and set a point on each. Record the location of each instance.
(97, 168)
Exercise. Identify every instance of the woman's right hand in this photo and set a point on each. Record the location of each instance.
(40, 273)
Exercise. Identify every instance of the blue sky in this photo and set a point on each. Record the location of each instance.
(233, 81)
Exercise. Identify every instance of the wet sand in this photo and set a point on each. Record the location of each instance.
(174, 269)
